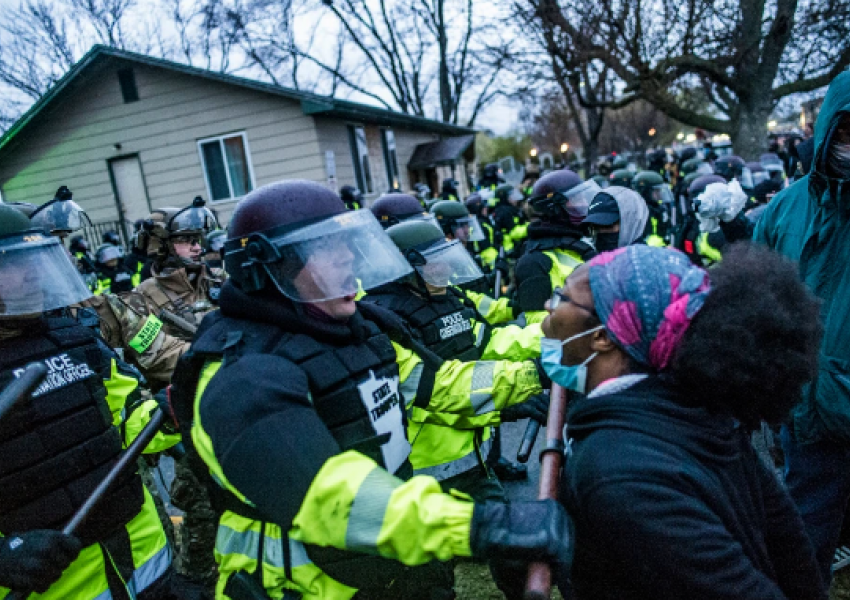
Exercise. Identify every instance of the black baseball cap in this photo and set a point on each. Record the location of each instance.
(603, 211)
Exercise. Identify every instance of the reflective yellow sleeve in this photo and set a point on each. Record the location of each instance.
(118, 390)
(494, 311)
(137, 420)
(469, 389)
(535, 316)
(514, 343)
(355, 505)
(519, 233)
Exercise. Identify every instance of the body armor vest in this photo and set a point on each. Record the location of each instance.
(338, 378)
(442, 323)
(58, 444)
(583, 249)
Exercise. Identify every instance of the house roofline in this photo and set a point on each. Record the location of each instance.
(311, 104)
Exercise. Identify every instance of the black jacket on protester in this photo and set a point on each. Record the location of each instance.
(671, 502)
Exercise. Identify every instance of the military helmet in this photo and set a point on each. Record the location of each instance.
(296, 236)
(36, 273)
(166, 223)
(622, 178)
(391, 209)
(61, 215)
(437, 261)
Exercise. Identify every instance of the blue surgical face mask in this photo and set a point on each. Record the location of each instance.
(571, 377)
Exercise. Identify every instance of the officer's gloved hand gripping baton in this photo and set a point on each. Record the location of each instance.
(127, 460)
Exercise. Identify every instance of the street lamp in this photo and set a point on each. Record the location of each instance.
(564, 147)
(771, 124)
(652, 132)
(681, 135)
(533, 152)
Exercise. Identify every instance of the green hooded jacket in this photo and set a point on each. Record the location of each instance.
(809, 223)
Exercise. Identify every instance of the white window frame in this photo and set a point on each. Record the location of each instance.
(361, 183)
(391, 166)
(220, 139)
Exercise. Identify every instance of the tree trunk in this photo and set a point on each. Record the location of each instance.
(595, 119)
(749, 133)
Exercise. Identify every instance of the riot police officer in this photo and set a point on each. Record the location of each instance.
(61, 441)
(490, 177)
(313, 461)
(659, 200)
(621, 178)
(449, 191)
(554, 246)
(352, 197)
(508, 219)
(392, 209)
(113, 276)
(702, 248)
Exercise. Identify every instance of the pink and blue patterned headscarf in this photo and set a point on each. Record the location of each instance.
(646, 297)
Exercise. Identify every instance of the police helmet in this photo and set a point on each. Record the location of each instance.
(475, 204)
(490, 171)
(107, 252)
(455, 221)
(111, 237)
(391, 209)
(733, 167)
(620, 163)
(351, 195)
(508, 193)
(622, 178)
(215, 241)
(699, 184)
(36, 272)
(562, 196)
(297, 236)
(78, 244)
(437, 261)
(166, 223)
(651, 186)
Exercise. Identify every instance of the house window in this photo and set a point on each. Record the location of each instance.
(360, 157)
(127, 81)
(227, 167)
(390, 158)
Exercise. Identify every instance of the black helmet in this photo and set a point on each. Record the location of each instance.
(449, 185)
(686, 155)
(351, 195)
(552, 193)
(491, 171)
(391, 209)
(622, 178)
(284, 230)
(78, 244)
(111, 237)
(508, 193)
(699, 184)
(475, 204)
(729, 167)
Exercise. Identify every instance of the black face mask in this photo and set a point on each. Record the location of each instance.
(605, 242)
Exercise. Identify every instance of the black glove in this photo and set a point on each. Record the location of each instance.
(536, 407)
(502, 265)
(35, 560)
(545, 382)
(521, 530)
(169, 425)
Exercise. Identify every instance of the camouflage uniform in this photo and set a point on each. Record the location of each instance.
(138, 322)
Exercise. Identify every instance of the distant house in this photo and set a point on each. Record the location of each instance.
(128, 133)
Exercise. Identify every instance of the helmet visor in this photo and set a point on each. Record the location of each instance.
(662, 194)
(335, 258)
(108, 253)
(37, 275)
(467, 229)
(193, 219)
(747, 178)
(759, 176)
(448, 264)
(60, 216)
(579, 199)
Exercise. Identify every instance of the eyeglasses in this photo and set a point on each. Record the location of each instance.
(558, 296)
(190, 240)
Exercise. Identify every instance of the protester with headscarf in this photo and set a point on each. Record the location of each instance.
(668, 497)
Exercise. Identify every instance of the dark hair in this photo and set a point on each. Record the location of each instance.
(755, 342)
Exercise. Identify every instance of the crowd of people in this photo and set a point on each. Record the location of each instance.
(334, 375)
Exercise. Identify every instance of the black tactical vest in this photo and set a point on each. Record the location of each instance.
(57, 445)
(442, 323)
(583, 249)
(335, 375)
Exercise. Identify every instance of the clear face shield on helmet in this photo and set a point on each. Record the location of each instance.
(109, 252)
(448, 264)
(662, 194)
(746, 178)
(579, 199)
(334, 258)
(37, 275)
(704, 169)
(60, 217)
(760, 176)
(467, 229)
